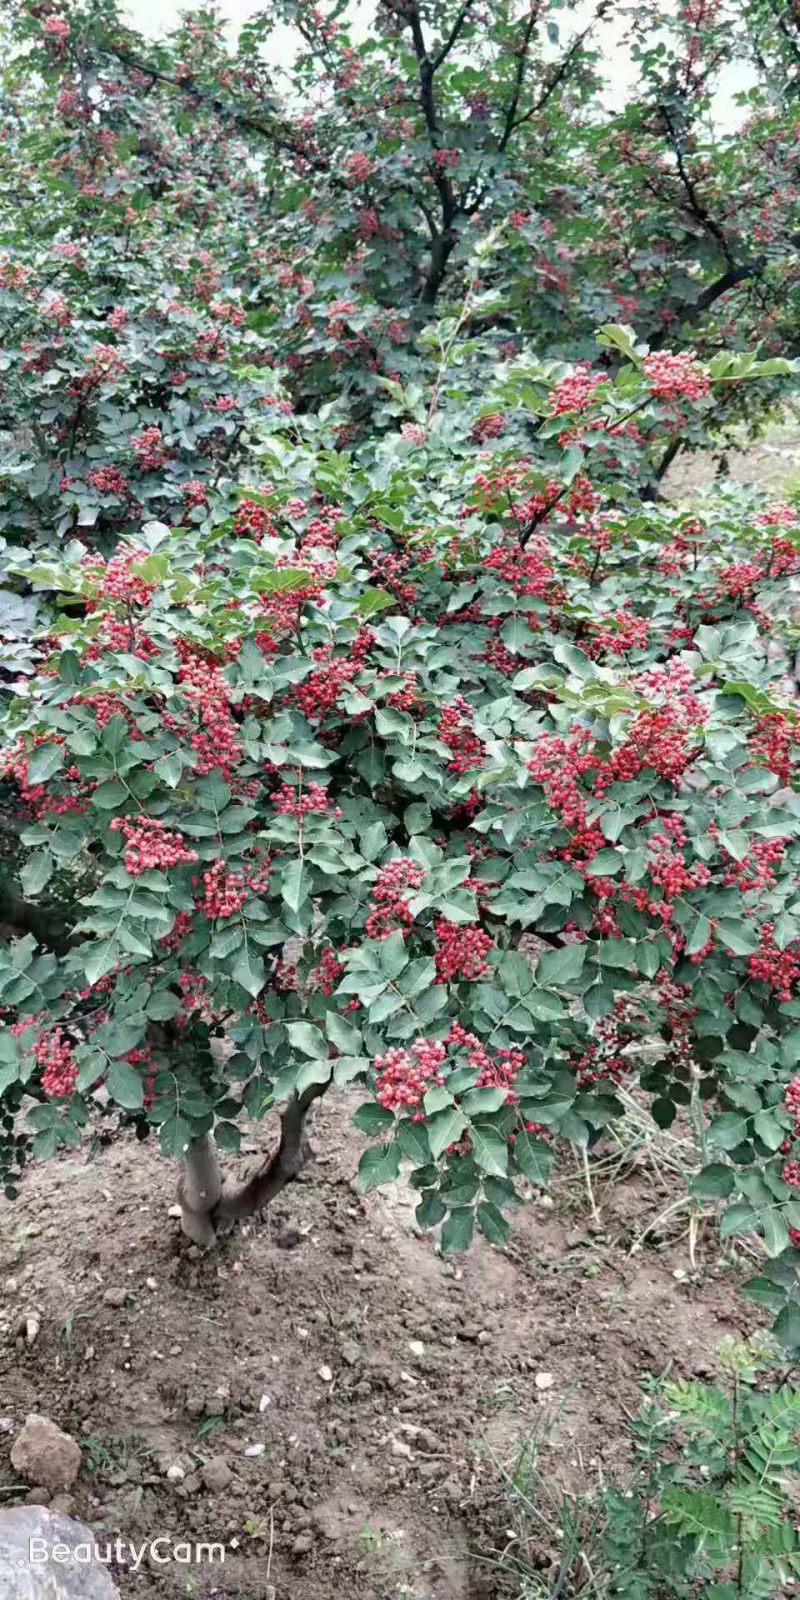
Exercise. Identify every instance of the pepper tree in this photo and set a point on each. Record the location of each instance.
(416, 716)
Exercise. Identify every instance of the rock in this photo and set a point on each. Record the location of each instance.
(38, 1497)
(44, 1454)
(288, 1238)
(79, 1578)
(65, 1503)
(416, 1347)
(302, 1544)
(255, 1450)
(544, 1380)
(175, 1473)
(115, 1297)
(325, 1374)
(216, 1475)
(350, 1352)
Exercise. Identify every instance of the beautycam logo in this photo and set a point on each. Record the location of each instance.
(161, 1551)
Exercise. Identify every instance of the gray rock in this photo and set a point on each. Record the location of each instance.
(45, 1455)
(28, 1570)
(216, 1474)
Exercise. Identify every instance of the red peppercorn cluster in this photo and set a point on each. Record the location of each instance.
(676, 377)
(780, 969)
(327, 973)
(576, 392)
(289, 802)
(148, 844)
(387, 908)
(56, 1057)
(460, 952)
(497, 1071)
(619, 633)
(775, 742)
(194, 494)
(215, 741)
(116, 580)
(756, 870)
(358, 166)
(224, 893)
(456, 732)
(488, 427)
(108, 480)
(150, 449)
(405, 1076)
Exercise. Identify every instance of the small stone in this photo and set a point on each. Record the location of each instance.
(175, 1211)
(264, 1402)
(399, 1447)
(288, 1238)
(216, 1474)
(115, 1297)
(416, 1347)
(38, 1497)
(544, 1380)
(302, 1544)
(175, 1473)
(32, 1328)
(152, 1283)
(65, 1503)
(325, 1374)
(255, 1450)
(44, 1454)
(350, 1352)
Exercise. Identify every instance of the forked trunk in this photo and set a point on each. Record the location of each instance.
(203, 1200)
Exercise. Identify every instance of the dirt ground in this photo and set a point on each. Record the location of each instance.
(356, 1392)
(768, 465)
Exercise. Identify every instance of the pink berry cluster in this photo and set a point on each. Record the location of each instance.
(150, 845)
(676, 377)
(780, 969)
(388, 909)
(56, 1057)
(289, 802)
(150, 449)
(405, 1076)
(224, 893)
(455, 730)
(460, 952)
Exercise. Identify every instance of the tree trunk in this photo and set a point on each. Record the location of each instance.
(203, 1200)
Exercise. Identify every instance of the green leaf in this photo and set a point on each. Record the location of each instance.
(374, 600)
(445, 1128)
(308, 1039)
(45, 762)
(699, 936)
(378, 1166)
(343, 1035)
(169, 769)
(458, 1230)
(163, 1006)
(295, 885)
(786, 1327)
(533, 1156)
(714, 1182)
(561, 966)
(371, 1118)
(37, 871)
(492, 1223)
(125, 1085)
(248, 970)
(490, 1150)
(174, 1136)
(737, 937)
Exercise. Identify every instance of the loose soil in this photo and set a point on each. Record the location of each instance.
(383, 1387)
